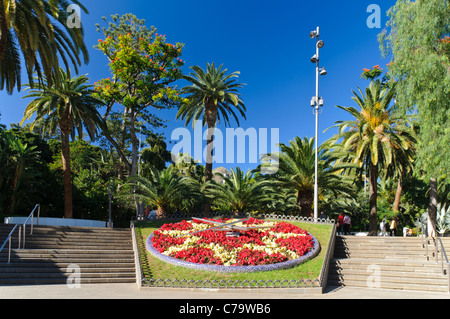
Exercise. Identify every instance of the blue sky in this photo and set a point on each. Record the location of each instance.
(267, 41)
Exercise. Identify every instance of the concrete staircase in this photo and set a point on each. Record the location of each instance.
(53, 254)
(386, 262)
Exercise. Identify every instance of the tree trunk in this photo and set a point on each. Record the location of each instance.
(305, 201)
(373, 193)
(67, 173)
(134, 158)
(398, 194)
(432, 209)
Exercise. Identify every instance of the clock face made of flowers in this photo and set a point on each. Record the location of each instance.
(230, 229)
(244, 245)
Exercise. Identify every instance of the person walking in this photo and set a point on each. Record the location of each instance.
(347, 224)
(393, 226)
(322, 216)
(340, 224)
(383, 228)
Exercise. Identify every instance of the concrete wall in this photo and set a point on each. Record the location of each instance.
(47, 221)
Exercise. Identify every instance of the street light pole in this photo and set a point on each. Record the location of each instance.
(317, 102)
(316, 111)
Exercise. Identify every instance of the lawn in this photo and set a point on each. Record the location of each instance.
(153, 268)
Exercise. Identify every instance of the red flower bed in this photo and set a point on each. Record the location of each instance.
(278, 243)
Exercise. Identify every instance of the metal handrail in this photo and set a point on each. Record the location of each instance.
(443, 253)
(8, 239)
(424, 234)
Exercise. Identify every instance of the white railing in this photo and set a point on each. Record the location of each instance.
(22, 233)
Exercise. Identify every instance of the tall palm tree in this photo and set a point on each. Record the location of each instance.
(69, 106)
(38, 29)
(213, 96)
(163, 189)
(242, 192)
(297, 168)
(376, 137)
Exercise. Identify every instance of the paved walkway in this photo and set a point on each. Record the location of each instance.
(130, 291)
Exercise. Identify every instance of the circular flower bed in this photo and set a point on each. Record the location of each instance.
(192, 244)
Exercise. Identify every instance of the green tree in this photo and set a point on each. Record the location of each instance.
(16, 169)
(25, 177)
(187, 166)
(241, 192)
(37, 31)
(156, 155)
(375, 138)
(212, 96)
(69, 106)
(297, 168)
(163, 189)
(417, 40)
(144, 68)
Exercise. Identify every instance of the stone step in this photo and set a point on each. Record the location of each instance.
(385, 265)
(128, 274)
(392, 278)
(72, 260)
(75, 247)
(43, 264)
(380, 254)
(388, 285)
(388, 272)
(29, 270)
(63, 280)
(24, 255)
(77, 237)
(28, 251)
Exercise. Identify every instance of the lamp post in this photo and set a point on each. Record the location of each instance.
(316, 103)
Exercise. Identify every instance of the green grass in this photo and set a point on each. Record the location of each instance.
(154, 268)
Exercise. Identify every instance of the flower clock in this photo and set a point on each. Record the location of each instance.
(228, 245)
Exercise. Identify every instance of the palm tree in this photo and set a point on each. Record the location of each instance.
(297, 168)
(38, 29)
(213, 96)
(377, 137)
(163, 189)
(16, 173)
(241, 192)
(69, 106)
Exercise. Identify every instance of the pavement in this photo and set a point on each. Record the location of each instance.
(131, 291)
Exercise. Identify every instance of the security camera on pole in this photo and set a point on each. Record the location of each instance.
(317, 102)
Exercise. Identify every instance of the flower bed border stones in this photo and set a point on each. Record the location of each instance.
(235, 269)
